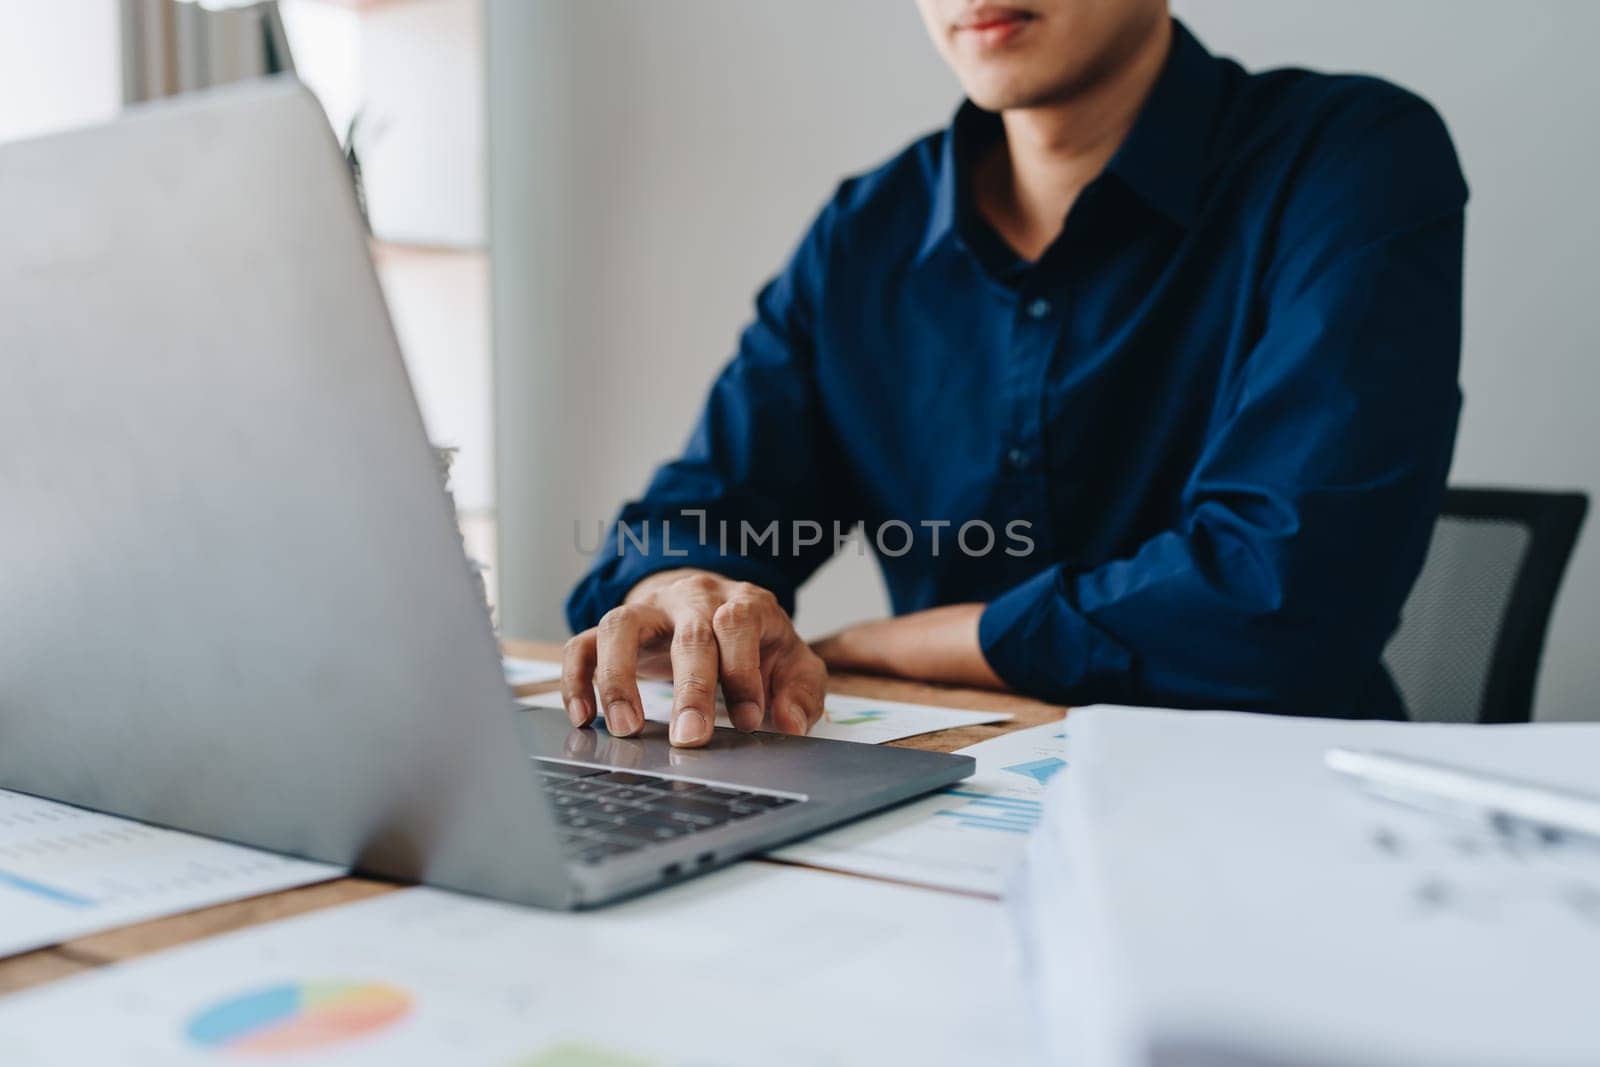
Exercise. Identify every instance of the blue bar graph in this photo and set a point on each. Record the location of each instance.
(39, 889)
(973, 823)
(1016, 803)
(986, 811)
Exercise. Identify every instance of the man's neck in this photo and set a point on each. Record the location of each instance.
(1029, 181)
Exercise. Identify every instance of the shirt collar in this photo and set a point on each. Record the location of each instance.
(1163, 159)
(970, 130)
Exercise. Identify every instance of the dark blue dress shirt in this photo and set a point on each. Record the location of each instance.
(1221, 405)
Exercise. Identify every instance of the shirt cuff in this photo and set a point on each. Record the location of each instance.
(1042, 646)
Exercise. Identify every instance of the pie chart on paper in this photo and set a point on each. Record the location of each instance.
(297, 1017)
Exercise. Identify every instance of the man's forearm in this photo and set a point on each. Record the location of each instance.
(937, 645)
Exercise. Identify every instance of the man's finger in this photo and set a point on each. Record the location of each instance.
(616, 673)
(694, 680)
(738, 628)
(577, 678)
(799, 682)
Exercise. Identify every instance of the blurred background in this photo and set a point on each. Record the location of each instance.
(573, 202)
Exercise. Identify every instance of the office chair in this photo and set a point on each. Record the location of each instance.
(1472, 631)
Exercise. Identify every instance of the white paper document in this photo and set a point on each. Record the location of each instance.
(845, 718)
(66, 872)
(1214, 894)
(757, 964)
(970, 837)
(530, 671)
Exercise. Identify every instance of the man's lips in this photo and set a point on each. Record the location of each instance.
(994, 24)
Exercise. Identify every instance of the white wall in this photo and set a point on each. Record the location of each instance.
(652, 163)
(440, 305)
(415, 73)
(423, 153)
(60, 65)
(326, 42)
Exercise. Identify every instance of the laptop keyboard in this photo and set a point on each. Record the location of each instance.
(604, 813)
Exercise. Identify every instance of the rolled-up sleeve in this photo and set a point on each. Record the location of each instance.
(1305, 521)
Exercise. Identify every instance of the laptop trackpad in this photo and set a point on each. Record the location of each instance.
(761, 761)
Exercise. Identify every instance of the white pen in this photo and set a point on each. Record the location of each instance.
(1497, 800)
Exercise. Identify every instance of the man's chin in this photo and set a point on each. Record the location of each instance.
(1012, 94)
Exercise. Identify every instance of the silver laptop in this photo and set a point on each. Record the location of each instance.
(232, 596)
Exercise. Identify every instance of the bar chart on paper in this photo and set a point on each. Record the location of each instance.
(66, 872)
(973, 810)
(969, 837)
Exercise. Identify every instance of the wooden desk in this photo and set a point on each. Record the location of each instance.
(97, 950)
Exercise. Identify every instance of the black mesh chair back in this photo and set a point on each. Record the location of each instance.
(1472, 632)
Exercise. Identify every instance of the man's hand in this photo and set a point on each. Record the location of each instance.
(937, 645)
(698, 629)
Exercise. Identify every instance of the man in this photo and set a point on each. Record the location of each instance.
(1184, 337)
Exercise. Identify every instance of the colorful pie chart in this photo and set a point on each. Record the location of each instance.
(297, 1017)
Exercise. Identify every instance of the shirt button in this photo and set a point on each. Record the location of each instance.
(1018, 459)
(1039, 308)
